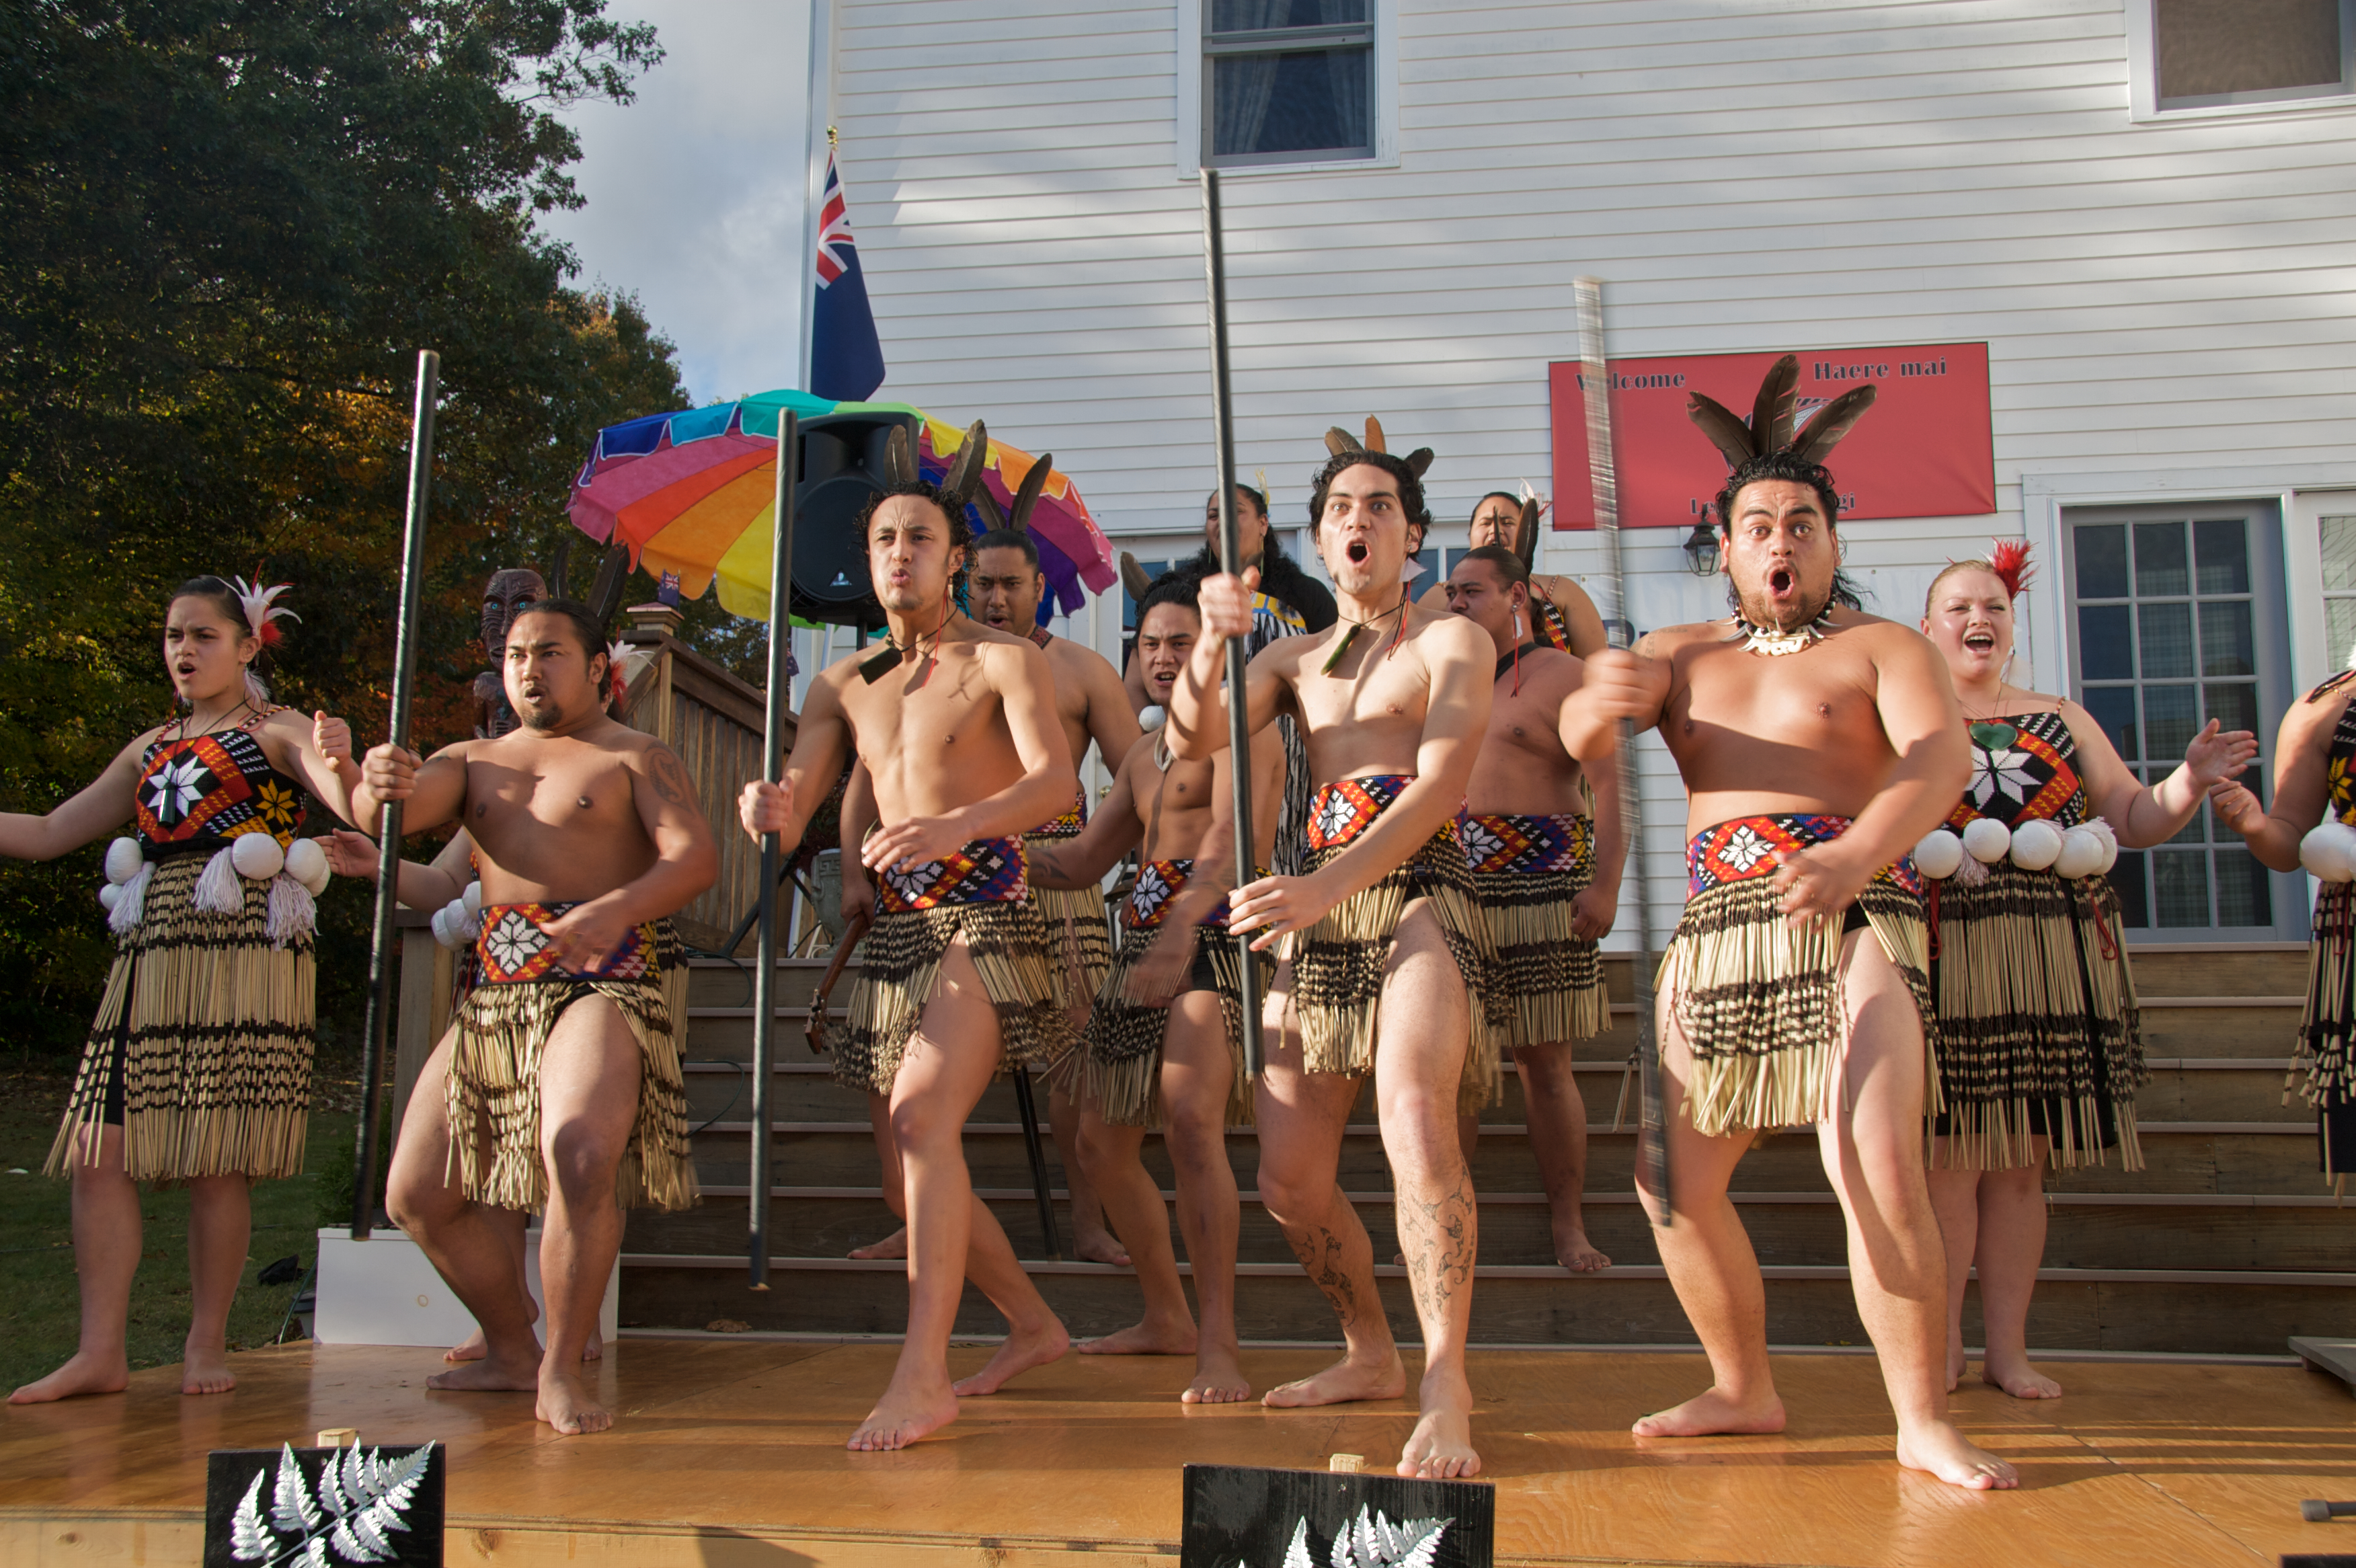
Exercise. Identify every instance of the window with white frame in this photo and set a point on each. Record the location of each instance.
(2337, 535)
(2227, 55)
(1287, 82)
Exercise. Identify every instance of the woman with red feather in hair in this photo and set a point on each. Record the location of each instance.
(2040, 1047)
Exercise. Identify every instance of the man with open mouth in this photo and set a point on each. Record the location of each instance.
(1817, 745)
(1383, 963)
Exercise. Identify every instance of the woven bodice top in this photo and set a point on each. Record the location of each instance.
(198, 792)
(2339, 762)
(2024, 767)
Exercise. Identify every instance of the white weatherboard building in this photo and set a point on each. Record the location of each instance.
(2145, 208)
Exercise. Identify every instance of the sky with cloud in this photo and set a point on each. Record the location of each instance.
(689, 206)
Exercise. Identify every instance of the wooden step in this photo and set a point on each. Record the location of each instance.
(2116, 1310)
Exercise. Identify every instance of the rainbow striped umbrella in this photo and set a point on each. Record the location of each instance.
(693, 493)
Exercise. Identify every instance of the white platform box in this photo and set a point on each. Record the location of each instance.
(382, 1291)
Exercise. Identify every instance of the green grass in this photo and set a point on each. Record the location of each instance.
(39, 1316)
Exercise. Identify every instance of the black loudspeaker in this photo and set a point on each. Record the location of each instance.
(841, 467)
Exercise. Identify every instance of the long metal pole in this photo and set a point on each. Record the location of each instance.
(379, 1021)
(1223, 435)
(772, 767)
(1652, 1139)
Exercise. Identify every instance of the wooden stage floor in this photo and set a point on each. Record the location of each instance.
(728, 1453)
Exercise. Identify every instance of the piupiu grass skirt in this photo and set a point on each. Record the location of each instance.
(2324, 1070)
(1759, 1000)
(2039, 1032)
(1078, 937)
(1526, 872)
(492, 1091)
(1121, 1046)
(211, 1026)
(900, 968)
(1338, 963)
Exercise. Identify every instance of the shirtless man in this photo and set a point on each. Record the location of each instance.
(1381, 960)
(1164, 1045)
(1795, 989)
(1548, 879)
(956, 727)
(1007, 588)
(559, 1085)
(1562, 615)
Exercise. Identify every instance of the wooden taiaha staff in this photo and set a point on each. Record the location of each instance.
(379, 1020)
(773, 767)
(1239, 770)
(1651, 1137)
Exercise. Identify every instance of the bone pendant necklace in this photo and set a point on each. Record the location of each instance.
(1771, 642)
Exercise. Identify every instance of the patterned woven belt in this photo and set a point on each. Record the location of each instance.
(1158, 882)
(514, 946)
(1748, 847)
(1339, 813)
(1068, 825)
(986, 871)
(1501, 842)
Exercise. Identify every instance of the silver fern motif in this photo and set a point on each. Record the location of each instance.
(361, 1501)
(1372, 1540)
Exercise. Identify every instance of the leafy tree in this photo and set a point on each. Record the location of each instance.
(231, 225)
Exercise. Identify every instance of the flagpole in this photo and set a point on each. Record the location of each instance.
(377, 1024)
(1239, 768)
(1603, 480)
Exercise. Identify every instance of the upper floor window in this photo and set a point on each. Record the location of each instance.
(1287, 82)
(2221, 56)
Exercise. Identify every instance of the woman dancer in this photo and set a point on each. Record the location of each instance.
(2040, 1047)
(198, 1067)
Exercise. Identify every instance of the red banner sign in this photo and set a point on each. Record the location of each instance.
(1924, 450)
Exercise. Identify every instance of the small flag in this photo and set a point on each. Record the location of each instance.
(846, 360)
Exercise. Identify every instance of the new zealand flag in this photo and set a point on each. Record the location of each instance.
(846, 360)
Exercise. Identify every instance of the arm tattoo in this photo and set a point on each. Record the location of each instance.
(669, 776)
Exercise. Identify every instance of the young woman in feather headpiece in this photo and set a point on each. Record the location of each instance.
(198, 1067)
(2040, 1047)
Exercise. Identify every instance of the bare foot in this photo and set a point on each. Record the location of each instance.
(1936, 1447)
(1441, 1446)
(1710, 1413)
(1146, 1338)
(902, 1416)
(2018, 1379)
(566, 1404)
(205, 1370)
(1340, 1383)
(473, 1348)
(1218, 1378)
(489, 1376)
(1099, 1247)
(1021, 1352)
(896, 1245)
(1574, 1251)
(1956, 1363)
(84, 1374)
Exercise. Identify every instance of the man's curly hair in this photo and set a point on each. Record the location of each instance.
(1410, 489)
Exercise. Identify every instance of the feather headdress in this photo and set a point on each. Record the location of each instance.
(617, 685)
(1774, 424)
(964, 477)
(2009, 559)
(260, 604)
(1339, 440)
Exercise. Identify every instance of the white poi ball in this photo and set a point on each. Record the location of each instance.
(473, 900)
(110, 894)
(2082, 853)
(1151, 716)
(123, 859)
(256, 856)
(307, 863)
(1938, 854)
(2110, 853)
(442, 922)
(2036, 845)
(1986, 839)
(2329, 851)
